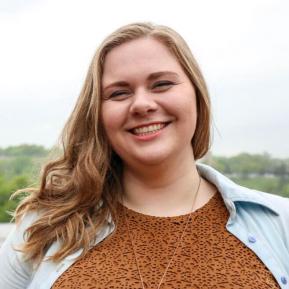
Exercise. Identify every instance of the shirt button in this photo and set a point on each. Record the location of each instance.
(252, 239)
(283, 280)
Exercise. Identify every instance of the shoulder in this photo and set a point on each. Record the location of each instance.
(276, 203)
(17, 235)
(261, 209)
(20, 227)
(28, 219)
(280, 203)
(237, 194)
(15, 272)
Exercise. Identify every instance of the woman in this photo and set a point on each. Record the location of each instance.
(126, 205)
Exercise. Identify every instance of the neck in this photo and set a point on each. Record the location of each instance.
(161, 191)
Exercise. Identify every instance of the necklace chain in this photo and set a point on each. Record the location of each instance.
(175, 250)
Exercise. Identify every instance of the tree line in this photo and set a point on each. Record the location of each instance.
(20, 167)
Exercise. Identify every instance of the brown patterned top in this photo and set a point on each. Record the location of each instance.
(209, 256)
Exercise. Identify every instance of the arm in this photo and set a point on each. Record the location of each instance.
(14, 272)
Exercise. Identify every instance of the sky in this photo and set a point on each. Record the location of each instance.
(242, 48)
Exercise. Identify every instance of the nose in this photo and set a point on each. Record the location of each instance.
(142, 103)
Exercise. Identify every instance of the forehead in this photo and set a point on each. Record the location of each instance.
(138, 58)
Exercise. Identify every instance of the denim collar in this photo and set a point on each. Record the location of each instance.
(230, 191)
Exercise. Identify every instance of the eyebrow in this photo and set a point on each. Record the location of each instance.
(151, 77)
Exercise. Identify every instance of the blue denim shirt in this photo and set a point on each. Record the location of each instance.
(259, 220)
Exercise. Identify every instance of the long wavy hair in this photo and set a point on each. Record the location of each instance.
(80, 188)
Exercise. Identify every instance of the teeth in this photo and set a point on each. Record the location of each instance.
(148, 129)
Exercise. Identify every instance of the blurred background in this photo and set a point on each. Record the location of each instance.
(241, 46)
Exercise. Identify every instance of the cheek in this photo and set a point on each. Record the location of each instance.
(182, 105)
(107, 121)
(190, 104)
(112, 117)
(187, 112)
(191, 113)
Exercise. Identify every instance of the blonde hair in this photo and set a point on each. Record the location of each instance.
(80, 189)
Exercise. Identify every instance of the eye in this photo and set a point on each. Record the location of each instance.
(161, 84)
(118, 93)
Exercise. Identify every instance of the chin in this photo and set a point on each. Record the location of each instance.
(153, 159)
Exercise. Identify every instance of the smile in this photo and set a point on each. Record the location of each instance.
(150, 129)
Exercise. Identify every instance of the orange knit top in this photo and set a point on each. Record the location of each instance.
(208, 257)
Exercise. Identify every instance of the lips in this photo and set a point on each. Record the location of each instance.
(148, 124)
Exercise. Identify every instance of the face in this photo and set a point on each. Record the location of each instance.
(148, 103)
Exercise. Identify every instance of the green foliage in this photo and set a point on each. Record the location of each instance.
(256, 171)
(23, 150)
(245, 164)
(7, 188)
(269, 185)
(20, 166)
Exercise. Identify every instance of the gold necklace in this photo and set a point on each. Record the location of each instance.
(178, 242)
